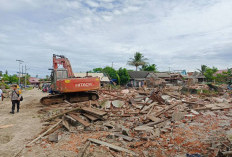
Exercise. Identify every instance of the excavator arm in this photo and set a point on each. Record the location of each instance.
(62, 60)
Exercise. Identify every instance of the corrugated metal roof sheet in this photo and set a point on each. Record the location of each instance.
(163, 75)
(138, 74)
(100, 75)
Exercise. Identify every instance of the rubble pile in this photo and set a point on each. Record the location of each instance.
(146, 122)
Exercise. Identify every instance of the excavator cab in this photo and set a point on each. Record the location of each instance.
(61, 74)
(58, 74)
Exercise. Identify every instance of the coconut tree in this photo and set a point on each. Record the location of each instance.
(203, 69)
(137, 60)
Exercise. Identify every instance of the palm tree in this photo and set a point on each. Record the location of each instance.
(138, 60)
(203, 69)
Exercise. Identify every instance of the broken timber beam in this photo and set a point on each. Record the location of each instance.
(227, 153)
(165, 110)
(6, 126)
(127, 138)
(115, 96)
(80, 120)
(117, 148)
(92, 118)
(157, 122)
(94, 111)
(44, 133)
(193, 103)
(66, 123)
(82, 153)
(61, 114)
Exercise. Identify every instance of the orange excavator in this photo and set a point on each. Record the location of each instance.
(65, 86)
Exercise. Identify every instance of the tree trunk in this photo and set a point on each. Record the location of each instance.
(136, 68)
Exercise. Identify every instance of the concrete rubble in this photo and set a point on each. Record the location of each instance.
(156, 122)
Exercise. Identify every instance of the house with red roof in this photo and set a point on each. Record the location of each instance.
(34, 80)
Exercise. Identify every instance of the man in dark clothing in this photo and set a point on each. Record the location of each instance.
(15, 98)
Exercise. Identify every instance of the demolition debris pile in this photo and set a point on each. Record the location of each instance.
(147, 122)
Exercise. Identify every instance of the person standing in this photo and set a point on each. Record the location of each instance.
(15, 98)
(1, 94)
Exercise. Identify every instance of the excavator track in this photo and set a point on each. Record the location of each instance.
(70, 97)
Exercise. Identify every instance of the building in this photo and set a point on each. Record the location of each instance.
(103, 78)
(176, 78)
(195, 77)
(150, 79)
(137, 78)
(222, 71)
(34, 81)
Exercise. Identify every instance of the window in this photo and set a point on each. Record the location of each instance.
(62, 74)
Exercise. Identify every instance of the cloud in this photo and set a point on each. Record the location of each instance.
(181, 34)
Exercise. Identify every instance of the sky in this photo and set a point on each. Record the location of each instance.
(175, 34)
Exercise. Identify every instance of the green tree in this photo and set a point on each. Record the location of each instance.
(13, 78)
(6, 77)
(203, 69)
(123, 75)
(224, 77)
(209, 73)
(137, 60)
(10, 78)
(97, 70)
(112, 73)
(149, 67)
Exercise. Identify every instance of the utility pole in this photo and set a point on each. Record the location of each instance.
(22, 73)
(20, 62)
(25, 76)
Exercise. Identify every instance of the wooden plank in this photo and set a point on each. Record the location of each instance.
(61, 114)
(143, 128)
(94, 111)
(154, 119)
(65, 123)
(80, 120)
(203, 108)
(92, 118)
(127, 138)
(114, 95)
(44, 133)
(82, 153)
(36, 139)
(165, 110)
(193, 103)
(117, 148)
(220, 108)
(155, 123)
(227, 153)
(6, 126)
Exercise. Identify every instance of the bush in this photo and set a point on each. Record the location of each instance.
(4, 85)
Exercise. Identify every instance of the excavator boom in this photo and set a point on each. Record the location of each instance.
(62, 60)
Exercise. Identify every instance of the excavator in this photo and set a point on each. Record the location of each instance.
(66, 87)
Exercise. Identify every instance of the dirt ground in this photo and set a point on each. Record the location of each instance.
(26, 126)
(26, 123)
